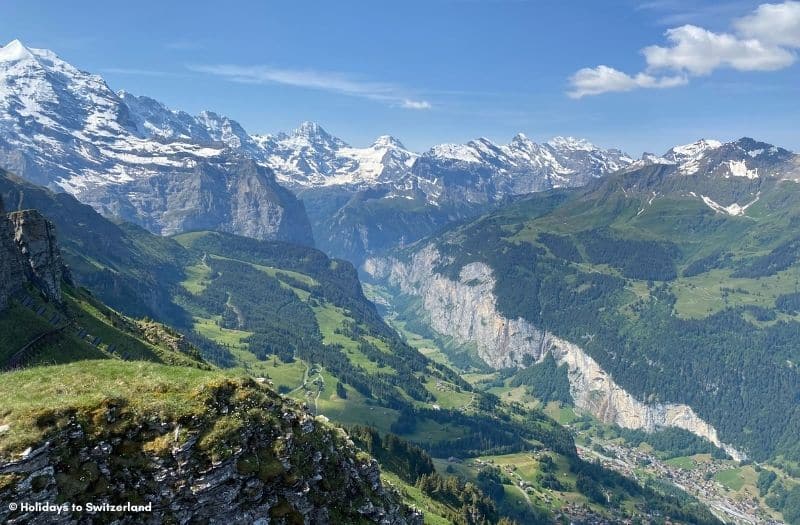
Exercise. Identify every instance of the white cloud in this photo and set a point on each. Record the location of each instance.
(765, 40)
(604, 79)
(700, 51)
(777, 24)
(322, 80)
(416, 104)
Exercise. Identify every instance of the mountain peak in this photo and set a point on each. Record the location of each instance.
(755, 147)
(482, 144)
(130, 98)
(694, 149)
(311, 134)
(387, 141)
(571, 143)
(308, 128)
(15, 51)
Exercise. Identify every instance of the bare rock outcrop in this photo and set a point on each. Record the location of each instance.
(29, 254)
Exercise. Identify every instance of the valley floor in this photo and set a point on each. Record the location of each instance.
(727, 490)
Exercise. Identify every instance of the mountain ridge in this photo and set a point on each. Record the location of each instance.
(134, 158)
(66, 129)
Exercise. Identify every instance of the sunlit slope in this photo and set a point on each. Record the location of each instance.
(679, 301)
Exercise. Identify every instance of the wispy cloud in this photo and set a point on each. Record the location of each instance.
(416, 104)
(139, 72)
(321, 80)
(679, 12)
(764, 40)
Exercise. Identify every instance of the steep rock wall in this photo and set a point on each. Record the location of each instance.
(467, 311)
(237, 196)
(28, 253)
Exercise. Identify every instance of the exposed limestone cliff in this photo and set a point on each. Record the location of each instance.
(28, 253)
(466, 311)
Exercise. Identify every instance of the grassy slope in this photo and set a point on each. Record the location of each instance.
(38, 394)
(293, 377)
(433, 511)
(314, 384)
(81, 321)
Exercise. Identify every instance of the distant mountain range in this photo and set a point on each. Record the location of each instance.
(66, 129)
(132, 157)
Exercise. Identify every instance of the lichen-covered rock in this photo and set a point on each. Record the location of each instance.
(249, 457)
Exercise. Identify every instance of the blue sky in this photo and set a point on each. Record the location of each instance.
(447, 70)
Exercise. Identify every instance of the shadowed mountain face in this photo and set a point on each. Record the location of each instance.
(28, 254)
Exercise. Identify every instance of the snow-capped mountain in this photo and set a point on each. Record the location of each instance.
(309, 156)
(482, 171)
(744, 158)
(449, 182)
(66, 129)
(727, 177)
(169, 171)
(132, 157)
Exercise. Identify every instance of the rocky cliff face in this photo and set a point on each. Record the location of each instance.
(466, 310)
(249, 457)
(233, 195)
(28, 253)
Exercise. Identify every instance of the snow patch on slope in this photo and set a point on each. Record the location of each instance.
(738, 168)
(733, 209)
